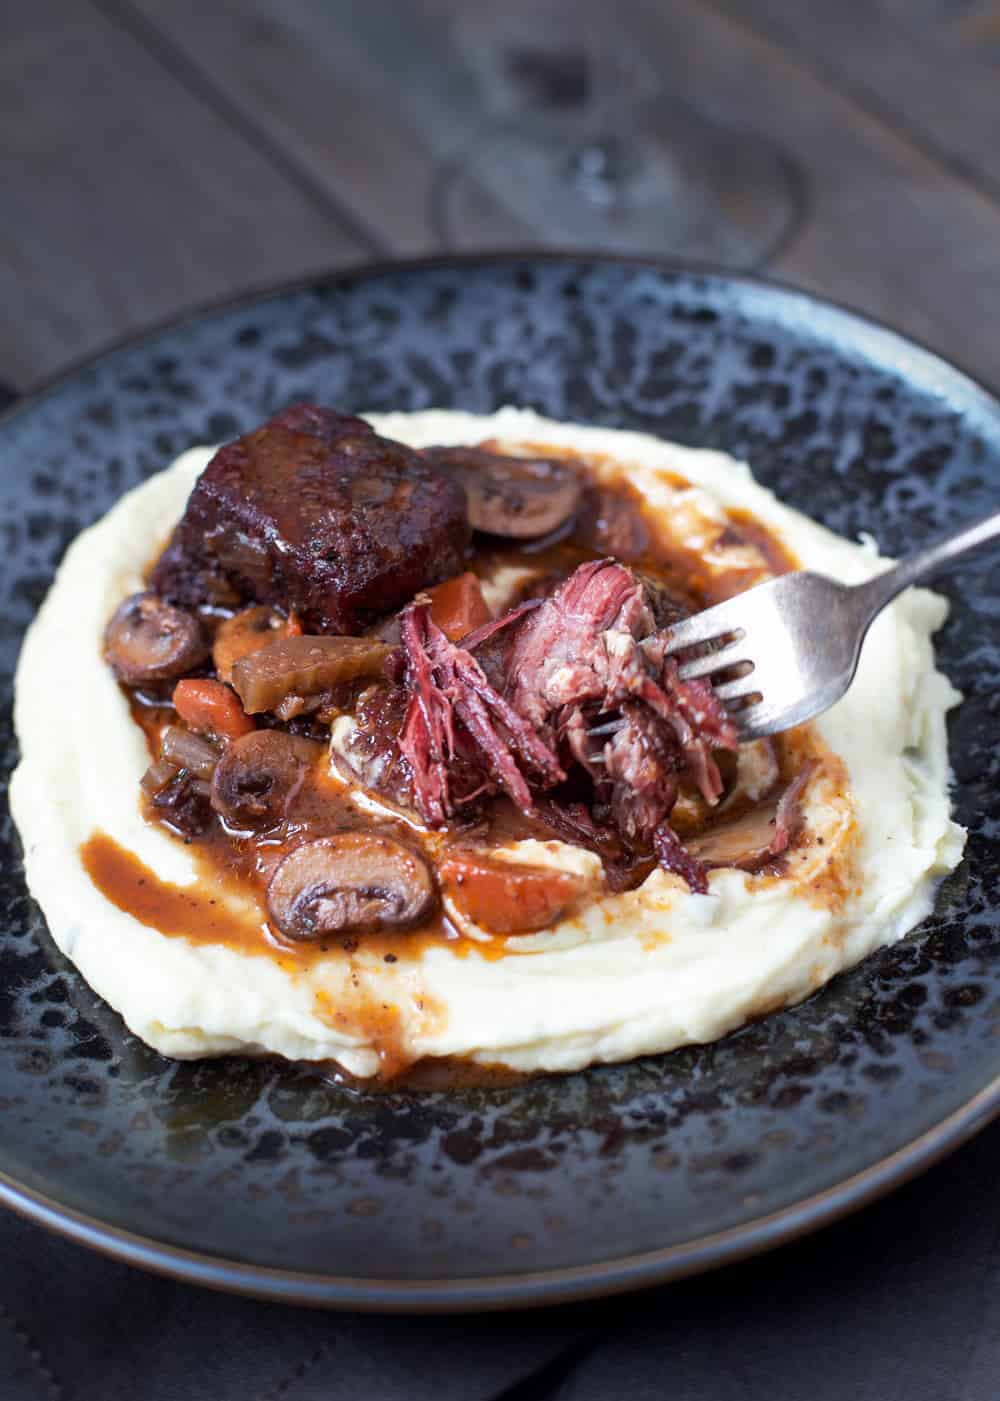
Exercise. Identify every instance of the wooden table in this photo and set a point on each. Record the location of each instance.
(155, 154)
(158, 153)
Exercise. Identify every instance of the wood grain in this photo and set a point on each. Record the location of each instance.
(367, 99)
(185, 150)
(888, 228)
(125, 197)
(931, 68)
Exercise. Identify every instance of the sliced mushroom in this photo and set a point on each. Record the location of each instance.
(244, 633)
(304, 666)
(149, 640)
(259, 775)
(756, 838)
(747, 842)
(521, 497)
(354, 882)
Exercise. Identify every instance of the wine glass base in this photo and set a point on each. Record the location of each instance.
(670, 183)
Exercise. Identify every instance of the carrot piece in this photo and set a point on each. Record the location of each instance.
(458, 606)
(211, 708)
(505, 897)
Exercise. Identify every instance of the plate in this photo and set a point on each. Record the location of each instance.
(266, 1178)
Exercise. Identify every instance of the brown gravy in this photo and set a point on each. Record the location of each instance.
(227, 904)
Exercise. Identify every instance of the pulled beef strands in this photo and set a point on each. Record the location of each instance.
(520, 497)
(147, 640)
(674, 856)
(788, 817)
(641, 762)
(451, 701)
(313, 512)
(590, 664)
(587, 669)
(587, 663)
(353, 882)
(591, 649)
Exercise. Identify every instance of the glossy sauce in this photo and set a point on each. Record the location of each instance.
(227, 903)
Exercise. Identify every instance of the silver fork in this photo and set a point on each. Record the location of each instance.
(797, 639)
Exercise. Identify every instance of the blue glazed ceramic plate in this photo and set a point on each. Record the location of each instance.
(264, 1178)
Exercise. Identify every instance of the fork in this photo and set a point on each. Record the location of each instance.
(796, 639)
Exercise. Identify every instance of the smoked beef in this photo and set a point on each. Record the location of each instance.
(317, 514)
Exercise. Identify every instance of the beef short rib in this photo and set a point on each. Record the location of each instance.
(317, 514)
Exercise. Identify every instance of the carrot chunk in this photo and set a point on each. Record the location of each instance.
(505, 897)
(211, 708)
(458, 606)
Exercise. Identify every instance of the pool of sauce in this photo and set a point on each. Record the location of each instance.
(226, 904)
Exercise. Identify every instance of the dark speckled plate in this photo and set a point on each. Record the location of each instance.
(250, 1176)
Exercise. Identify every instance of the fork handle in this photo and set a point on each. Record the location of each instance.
(884, 587)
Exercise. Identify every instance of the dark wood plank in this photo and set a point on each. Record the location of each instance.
(365, 98)
(930, 67)
(888, 228)
(126, 197)
(369, 97)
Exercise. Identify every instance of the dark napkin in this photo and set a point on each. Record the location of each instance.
(899, 1303)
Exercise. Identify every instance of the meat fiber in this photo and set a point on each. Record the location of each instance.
(454, 712)
(578, 683)
(589, 661)
(315, 513)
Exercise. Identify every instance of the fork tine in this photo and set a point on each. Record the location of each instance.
(702, 627)
(727, 656)
(735, 690)
(750, 722)
(610, 727)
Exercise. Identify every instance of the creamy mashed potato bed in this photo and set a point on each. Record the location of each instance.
(643, 971)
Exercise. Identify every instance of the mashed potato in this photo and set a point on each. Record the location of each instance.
(643, 971)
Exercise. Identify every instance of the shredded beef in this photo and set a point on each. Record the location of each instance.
(593, 650)
(674, 856)
(453, 708)
(577, 681)
(788, 818)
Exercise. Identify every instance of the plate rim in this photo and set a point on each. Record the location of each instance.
(529, 1288)
(368, 268)
(570, 1283)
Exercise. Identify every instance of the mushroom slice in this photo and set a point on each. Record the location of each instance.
(755, 839)
(354, 882)
(744, 842)
(149, 640)
(521, 497)
(259, 775)
(304, 666)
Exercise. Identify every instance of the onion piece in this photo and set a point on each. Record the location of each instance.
(186, 750)
(157, 776)
(304, 666)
